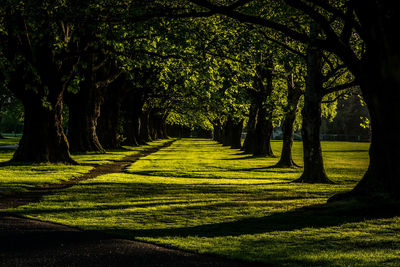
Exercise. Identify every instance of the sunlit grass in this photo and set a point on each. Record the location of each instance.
(9, 140)
(20, 177)
(200, 196)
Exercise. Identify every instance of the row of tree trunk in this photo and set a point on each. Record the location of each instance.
(102, 113)
(260, 127)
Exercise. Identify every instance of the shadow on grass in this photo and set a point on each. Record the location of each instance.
(11, 163)
(244, 157)
(30, 163)
(317, 216)
(347, 151)
(198, 175)
(249, 156)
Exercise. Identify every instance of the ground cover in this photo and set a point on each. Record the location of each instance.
(200, 196)
(9, 140)
(20, 177)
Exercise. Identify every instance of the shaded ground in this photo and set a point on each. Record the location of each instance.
(8, 146)
(34, 243)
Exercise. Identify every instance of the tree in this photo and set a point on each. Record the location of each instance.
(109, 122)
(84, 103)
(39, 66)
(294, 92)
(375, 66)
(263, 106)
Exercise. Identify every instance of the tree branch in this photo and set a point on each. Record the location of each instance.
(105, 83)
(287, 47)
(336, 98)
(339, 87)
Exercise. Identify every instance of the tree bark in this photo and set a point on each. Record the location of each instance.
(1, 136)
(83, 124)
(131, 130)
(84, 110)
(145, 127)
(1, 115)
(217, 131)
(43, 138)
(293, 97)
(380, 84)
(158, 124)
(109, 122)
(249, 142)
(264, 105)
(164, 132)
(228, 132)
(154, 124)
(132, 108)
(38, 78)
(236, 135)
(382, 179)
(314, 171)
(262, 136)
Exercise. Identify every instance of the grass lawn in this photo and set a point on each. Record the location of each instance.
(15, 177)
(200, 196)
(9, 140)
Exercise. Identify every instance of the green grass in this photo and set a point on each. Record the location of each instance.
(200, 196)
(15, 177)
(9, 140)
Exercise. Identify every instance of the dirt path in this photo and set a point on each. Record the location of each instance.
(26, 242)
(35, 194)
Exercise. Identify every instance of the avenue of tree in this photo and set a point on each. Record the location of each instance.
(96, 75)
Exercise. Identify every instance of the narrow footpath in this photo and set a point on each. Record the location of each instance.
(27, 242)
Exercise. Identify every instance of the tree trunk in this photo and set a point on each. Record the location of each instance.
(164, 132)
(35, 64)
(382, 179)
(249, 142)
(380, 84)
(264, 104)
(262, 136)
(153, 125)
(314, 171)
(84, 110)
(82, 125)
(109, 122)
(293, 97)
(145, 127)
(286, 160)
(132, 111)
(43, 138)
(1, 136)
(217, 131)
(228, 132)
(131, 130)
(236, 135)
(158, 125)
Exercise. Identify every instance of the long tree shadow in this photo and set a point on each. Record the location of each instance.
(316, 216)
(33, 243)
(347, 151)
(203, 175)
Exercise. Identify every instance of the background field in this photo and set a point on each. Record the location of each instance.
(200, 196)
